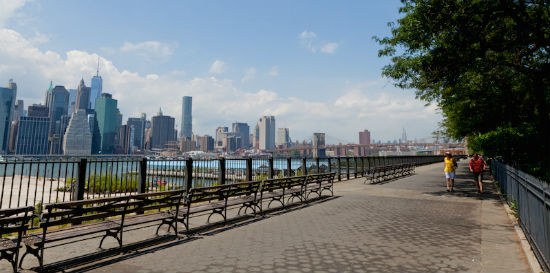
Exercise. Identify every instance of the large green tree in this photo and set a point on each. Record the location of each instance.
(486, 64)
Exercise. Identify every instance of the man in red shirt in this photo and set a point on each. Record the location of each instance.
(477, 166)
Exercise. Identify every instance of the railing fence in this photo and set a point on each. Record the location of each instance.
(41, 181)
(531, 196)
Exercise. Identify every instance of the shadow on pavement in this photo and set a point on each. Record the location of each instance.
(107, 257)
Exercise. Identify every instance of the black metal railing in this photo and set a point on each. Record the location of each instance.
(531, 197)
(31, 181)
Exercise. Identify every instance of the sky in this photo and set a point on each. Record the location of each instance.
(314, 65)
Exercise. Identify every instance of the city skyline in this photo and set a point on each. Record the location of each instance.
(311, 83)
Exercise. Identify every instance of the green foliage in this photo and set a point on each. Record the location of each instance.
(106, 183)
(486, 65)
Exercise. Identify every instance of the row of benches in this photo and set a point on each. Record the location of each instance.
(112, 216)
(384, 173)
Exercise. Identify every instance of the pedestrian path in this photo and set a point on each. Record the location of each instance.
(408, 225)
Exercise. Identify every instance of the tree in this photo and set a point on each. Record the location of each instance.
(486, 64)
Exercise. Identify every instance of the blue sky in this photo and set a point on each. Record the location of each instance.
(312, 64)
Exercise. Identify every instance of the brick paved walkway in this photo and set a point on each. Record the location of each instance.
(407, 225)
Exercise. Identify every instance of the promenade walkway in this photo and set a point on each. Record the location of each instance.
(407, 225)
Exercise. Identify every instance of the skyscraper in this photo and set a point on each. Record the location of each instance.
(319, 149)
(404, 136)
(364, 137)
(7, 102)
(108, 121)
(96, 88)
(136, 126)
(221, 133)
(82, 96)
(78, 138)
(18, 109)
(162, 130)
(256, 137)
(72, 101)
(57, 101)
(242, 131)
(186, 117)
(32, 133)
(282, 136)
(267, 132)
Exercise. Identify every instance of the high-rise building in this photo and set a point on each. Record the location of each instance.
(404, 136)
(242, 131)
(221, 133)
(283, 136)
(32, 134)
(162, 131)
(108, 121)
(267, 132)
(96, 88)
(319, 149)
(206, 143)
(72, 102)
(78, 138)
(136, 126)
(7, 102)
(82, 96)
(186, 117)
(18, 109)
(38, 110)
(57, 101)
(256, 137)
(186, 144)
(364, 137)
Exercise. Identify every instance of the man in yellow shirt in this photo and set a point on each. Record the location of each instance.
(450, 166)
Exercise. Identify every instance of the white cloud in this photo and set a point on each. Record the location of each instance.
(149, 49)
(274, 71)
(8, 9)
(329, 48)
(308, 34)
(218, 67)
(249, 74)
(375, 105)
(309, 41)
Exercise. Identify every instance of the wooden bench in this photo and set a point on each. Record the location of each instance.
(14, 220)
(216, 200)
(276, 189)
(104, 215)
(317, 183)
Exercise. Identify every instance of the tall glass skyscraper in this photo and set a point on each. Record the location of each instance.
(108, 121)
(96, 89)
(57, 101)
(242, 131)
(7, 102)
(186, 117)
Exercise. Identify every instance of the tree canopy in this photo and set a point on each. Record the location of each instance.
(486, 65)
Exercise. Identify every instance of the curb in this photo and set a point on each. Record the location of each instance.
(524, 242)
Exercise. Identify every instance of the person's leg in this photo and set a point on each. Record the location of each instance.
(452, 181)
(476, 181)
(448, 180)
(480, 179)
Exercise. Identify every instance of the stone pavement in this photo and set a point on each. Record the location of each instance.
(407, 225)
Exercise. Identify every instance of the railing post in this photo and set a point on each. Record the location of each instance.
(347, 167)
(78, 192)
(329, 164)
(221, 175)
(188, 174)
(304, 166)
(318, 165)
(362, 166)
(289, 166)
(249, 169)
(271, 171)
(339, 169)
(142, 182)
(355, 167)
